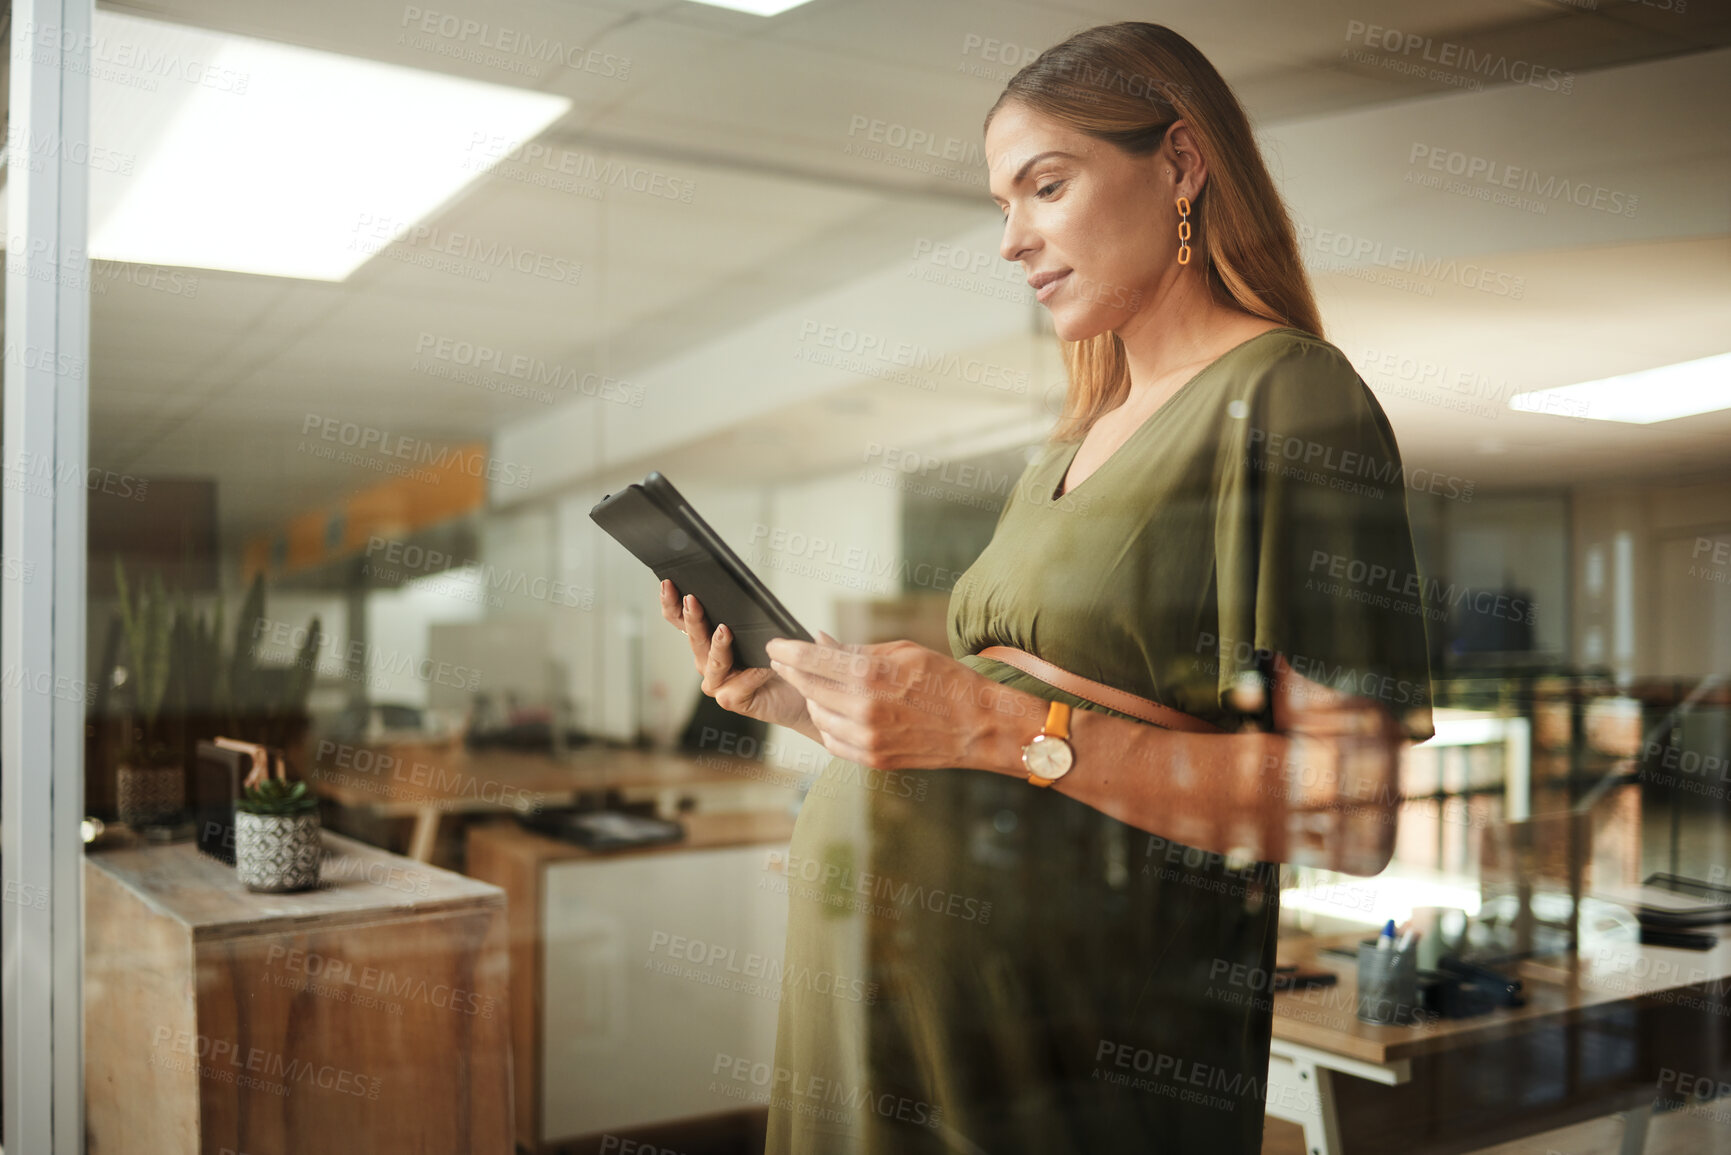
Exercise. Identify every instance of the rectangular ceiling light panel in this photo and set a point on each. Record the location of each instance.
(1662, 394)
(260, 157)
(756, 7)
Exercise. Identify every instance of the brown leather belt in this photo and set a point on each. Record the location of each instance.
(1109, 696)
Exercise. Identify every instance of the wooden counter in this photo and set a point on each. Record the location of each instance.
(369, 1014)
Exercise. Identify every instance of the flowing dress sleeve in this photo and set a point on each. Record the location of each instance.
(1314, 551)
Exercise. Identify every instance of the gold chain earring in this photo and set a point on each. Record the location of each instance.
(1184, 230)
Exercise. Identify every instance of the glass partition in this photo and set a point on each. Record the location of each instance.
(412, 824)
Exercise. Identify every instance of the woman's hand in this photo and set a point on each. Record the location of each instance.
(895, 705)
(754, 692)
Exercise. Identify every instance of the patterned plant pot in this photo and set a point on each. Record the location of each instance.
(277, 852)
(147, 794)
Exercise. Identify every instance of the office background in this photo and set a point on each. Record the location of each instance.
(384, 297)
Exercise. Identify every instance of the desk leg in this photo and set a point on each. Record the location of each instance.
(1301, 1092)
(1635, 1122)
(426, 836)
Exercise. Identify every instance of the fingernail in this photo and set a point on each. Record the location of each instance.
(721, 632)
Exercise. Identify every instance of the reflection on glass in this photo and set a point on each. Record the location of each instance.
(1250, 399)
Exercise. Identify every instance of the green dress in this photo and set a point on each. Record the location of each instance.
(977, 965)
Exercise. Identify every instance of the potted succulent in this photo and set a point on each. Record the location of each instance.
(276, 836)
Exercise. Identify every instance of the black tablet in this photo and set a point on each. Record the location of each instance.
(657, 524)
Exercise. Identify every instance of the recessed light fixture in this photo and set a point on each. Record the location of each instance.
(1641, 398)
(756, 7)
(226, 152)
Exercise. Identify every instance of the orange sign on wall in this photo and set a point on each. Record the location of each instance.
(441, 483)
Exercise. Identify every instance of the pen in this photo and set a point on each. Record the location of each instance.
(1405, 939)
(1385, 940)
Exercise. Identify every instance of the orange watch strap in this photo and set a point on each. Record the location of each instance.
(1058, 720)
(1057, 726)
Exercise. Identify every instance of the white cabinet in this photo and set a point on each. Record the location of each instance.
(655, 968)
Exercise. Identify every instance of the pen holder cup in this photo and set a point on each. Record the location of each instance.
(1387, 985)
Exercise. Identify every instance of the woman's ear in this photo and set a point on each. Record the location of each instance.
(1184, 157)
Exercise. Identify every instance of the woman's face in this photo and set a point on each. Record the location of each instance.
(1083, 208)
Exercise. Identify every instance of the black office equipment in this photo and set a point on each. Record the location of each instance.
(655, 522)
(1502, 990)
(1458, 990)
(1681, 939)
(216, 785)
(1697, 902)
(604, 829)
(1289, 978)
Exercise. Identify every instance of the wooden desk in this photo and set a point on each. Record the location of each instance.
(429, 781)
(519, 861)
(1317, 1036)
(368, 1014)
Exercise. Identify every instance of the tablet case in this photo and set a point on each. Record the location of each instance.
(655, 522)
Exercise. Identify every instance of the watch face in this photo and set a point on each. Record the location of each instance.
(1048, 757)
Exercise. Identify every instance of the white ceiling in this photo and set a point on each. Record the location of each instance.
(755, 113)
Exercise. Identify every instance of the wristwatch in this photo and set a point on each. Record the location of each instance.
(1050, 756)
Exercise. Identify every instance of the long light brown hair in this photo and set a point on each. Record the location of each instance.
(1126, 84)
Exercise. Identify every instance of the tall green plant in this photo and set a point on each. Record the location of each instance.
(245, 686)
(148, 631)
(110, 661)
(176, 665)
(264, 703)
(306, 668)
(196, 679)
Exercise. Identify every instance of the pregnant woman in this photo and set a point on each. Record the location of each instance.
(1022, 910)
